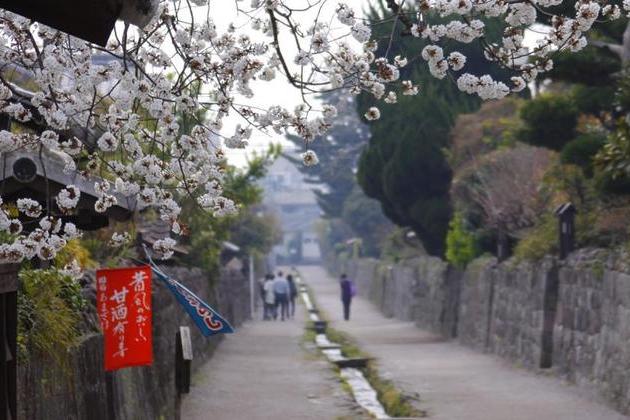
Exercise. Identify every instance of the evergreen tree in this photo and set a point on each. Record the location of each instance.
(404, 166)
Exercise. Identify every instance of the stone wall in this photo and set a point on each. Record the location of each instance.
(517, 311)
(475, 302)
(572, 316)
(592, 328)
(422, 290)
(80, 390)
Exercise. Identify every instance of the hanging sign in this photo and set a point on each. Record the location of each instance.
(207, 319)
(124, 308)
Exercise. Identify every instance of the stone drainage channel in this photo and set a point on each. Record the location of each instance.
(362, 391)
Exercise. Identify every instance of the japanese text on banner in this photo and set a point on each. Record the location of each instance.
(124, 308)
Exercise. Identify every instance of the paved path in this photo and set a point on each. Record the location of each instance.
(453, 382)
(265, 372)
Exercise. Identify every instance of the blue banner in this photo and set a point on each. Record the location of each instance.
(206, 318)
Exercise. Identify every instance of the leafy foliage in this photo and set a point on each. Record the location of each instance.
(564, 182)
(614, 158)
(594, 100)
(539, 241)
(592, 66)
(492, 127)
(49, 310)
(549, 121)
(543, 238)
(252, 232)
(581, 151)
(460, 243)
(75, 249)
(255, 232)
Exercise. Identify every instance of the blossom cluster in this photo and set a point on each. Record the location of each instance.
(146, 122)
(565, 33)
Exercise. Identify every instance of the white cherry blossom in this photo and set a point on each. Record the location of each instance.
(113, 115)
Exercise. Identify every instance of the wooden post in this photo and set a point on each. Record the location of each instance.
(8, 341)
(502, 246)
(183, 360)
(566, 228)
(109, 395)
(4, 382)
(252, 289)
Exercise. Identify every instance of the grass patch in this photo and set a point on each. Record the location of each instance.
(396, 403)
(598, 270)
(349, 347)
(309, 333)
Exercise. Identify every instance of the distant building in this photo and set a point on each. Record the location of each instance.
(293, 203)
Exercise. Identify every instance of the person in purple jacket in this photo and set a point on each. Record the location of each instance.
(347, 293)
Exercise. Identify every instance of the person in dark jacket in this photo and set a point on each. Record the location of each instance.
(261, 292)
(292, 295)
(347, 292)
(281, 290)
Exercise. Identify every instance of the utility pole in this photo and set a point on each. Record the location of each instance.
(252, 309)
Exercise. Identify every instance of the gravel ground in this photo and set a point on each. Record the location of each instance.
(265, 371)
(453, 382)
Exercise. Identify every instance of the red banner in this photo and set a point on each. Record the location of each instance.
(124, 309)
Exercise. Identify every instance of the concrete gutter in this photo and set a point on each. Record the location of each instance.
(362, 391)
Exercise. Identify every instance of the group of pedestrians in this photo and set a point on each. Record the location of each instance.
(278, 294)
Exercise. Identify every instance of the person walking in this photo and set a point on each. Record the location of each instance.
(292, 295)
(281, 291)
(270, 298)
(348, 290)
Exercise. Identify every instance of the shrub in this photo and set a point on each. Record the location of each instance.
(539, 241)
(460, 244)
(543, 238)
(582, 150)
(49, 310)
(609, 184)
(549, 121)
(612, 162)
(564, 183)
(75, 249)
(593, 99)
